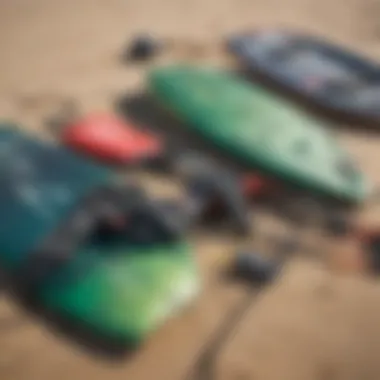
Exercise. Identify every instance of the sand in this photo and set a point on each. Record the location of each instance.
(314, 322)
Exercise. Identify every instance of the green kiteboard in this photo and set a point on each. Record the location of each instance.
(259, 129)
(122, 291)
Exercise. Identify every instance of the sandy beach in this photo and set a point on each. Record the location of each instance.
(314, 322)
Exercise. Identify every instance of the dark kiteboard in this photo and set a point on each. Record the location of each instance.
(321, 72)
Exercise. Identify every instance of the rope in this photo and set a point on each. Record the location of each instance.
(204, 367)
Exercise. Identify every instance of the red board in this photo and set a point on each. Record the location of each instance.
(109, 138)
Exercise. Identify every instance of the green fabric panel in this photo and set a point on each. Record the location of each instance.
(125, 292)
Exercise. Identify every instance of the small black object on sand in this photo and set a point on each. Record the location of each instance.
(142, 48)
(255, 268)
